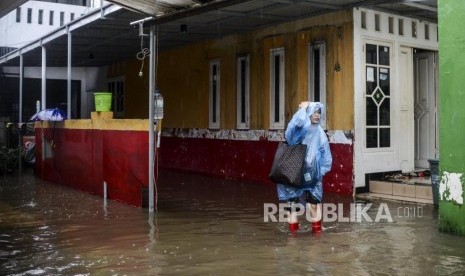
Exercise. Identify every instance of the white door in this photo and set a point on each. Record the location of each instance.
(378, 110)
(426, 142)
(406, 107)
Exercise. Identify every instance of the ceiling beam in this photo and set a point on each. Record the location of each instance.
(420, 6)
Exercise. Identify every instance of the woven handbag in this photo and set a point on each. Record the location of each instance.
(288, 164)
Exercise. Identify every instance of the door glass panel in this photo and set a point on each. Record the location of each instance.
(372, 112)
(384, 114)
(372, 138)
(385, 137)
(377, 96)
(384, 80)
(371, 54)
(372, 76)
(383, 55)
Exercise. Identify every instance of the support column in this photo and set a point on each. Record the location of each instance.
(152, 86)
(44, 77)
(452, 116)
(21, 77)
(68, 98)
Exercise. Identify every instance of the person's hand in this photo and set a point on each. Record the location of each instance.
(304, 104)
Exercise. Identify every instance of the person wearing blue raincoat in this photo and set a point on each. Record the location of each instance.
(305, 128)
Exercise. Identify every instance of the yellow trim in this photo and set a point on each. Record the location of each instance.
(100, 120)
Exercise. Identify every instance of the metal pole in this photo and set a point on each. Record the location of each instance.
(21, 76)
(151, 118)
(68, 99)
(44, 74)
(20, 115)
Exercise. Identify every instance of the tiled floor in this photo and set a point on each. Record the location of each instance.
(393, 197)
(415, 189)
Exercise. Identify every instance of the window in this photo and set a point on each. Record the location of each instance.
(41, 17)
(116, 87)
(414, 29)
(214, 95)
(71, 16)
(363, 20)
(377, 96)
(401, 26)
(391, 25)
(426, 31)
(18, 14)
(277, 86)
(29, 15)
(50, 18)
(317, 75)
(62, 18)
(377, 23)
(243, 91)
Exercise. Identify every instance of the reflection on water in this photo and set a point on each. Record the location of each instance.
(206, 226)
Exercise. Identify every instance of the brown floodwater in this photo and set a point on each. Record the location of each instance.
(210, 226)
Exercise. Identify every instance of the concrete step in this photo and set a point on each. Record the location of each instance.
(411, 191)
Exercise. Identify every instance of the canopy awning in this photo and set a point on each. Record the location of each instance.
(105, 36)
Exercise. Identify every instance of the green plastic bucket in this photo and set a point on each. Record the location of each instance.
(102, 101)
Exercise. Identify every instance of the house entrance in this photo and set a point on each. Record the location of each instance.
(425, 107)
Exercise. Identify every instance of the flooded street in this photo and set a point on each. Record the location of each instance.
(208, 226)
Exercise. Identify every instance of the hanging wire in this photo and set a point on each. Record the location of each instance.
(144, 52)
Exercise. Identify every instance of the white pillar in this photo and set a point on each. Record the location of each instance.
(44, 76)
(152, 85)
(21, 76)
(68, 98)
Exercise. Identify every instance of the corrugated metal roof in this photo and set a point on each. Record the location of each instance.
(105, 36)
(7, 6)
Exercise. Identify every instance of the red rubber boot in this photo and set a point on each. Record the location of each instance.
(293, 219)
(293, 227)
(316, 227)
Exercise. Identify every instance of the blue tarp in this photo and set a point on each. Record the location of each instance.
(52, 114)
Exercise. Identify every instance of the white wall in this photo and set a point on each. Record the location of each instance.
(15, 35)
(92, 79)
(378, 160)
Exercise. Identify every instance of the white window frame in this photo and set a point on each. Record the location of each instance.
(214, 95)
(62, 18)
(277, 124)
(29, 15)
(113, 85)
(40, 17)
(51, 17)
(321, 46)
(391, 96)
(18, 15)
(243, 107)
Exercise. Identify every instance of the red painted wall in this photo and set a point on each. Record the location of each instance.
(83, 159)
(250, 160)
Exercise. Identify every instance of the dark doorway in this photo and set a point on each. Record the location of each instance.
(56, 97)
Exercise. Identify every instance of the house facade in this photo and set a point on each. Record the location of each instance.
(19, 28)
(228, 100)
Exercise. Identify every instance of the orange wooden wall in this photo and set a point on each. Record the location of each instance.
(182, 74)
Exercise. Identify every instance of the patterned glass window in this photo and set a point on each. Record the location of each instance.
(378, 96)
